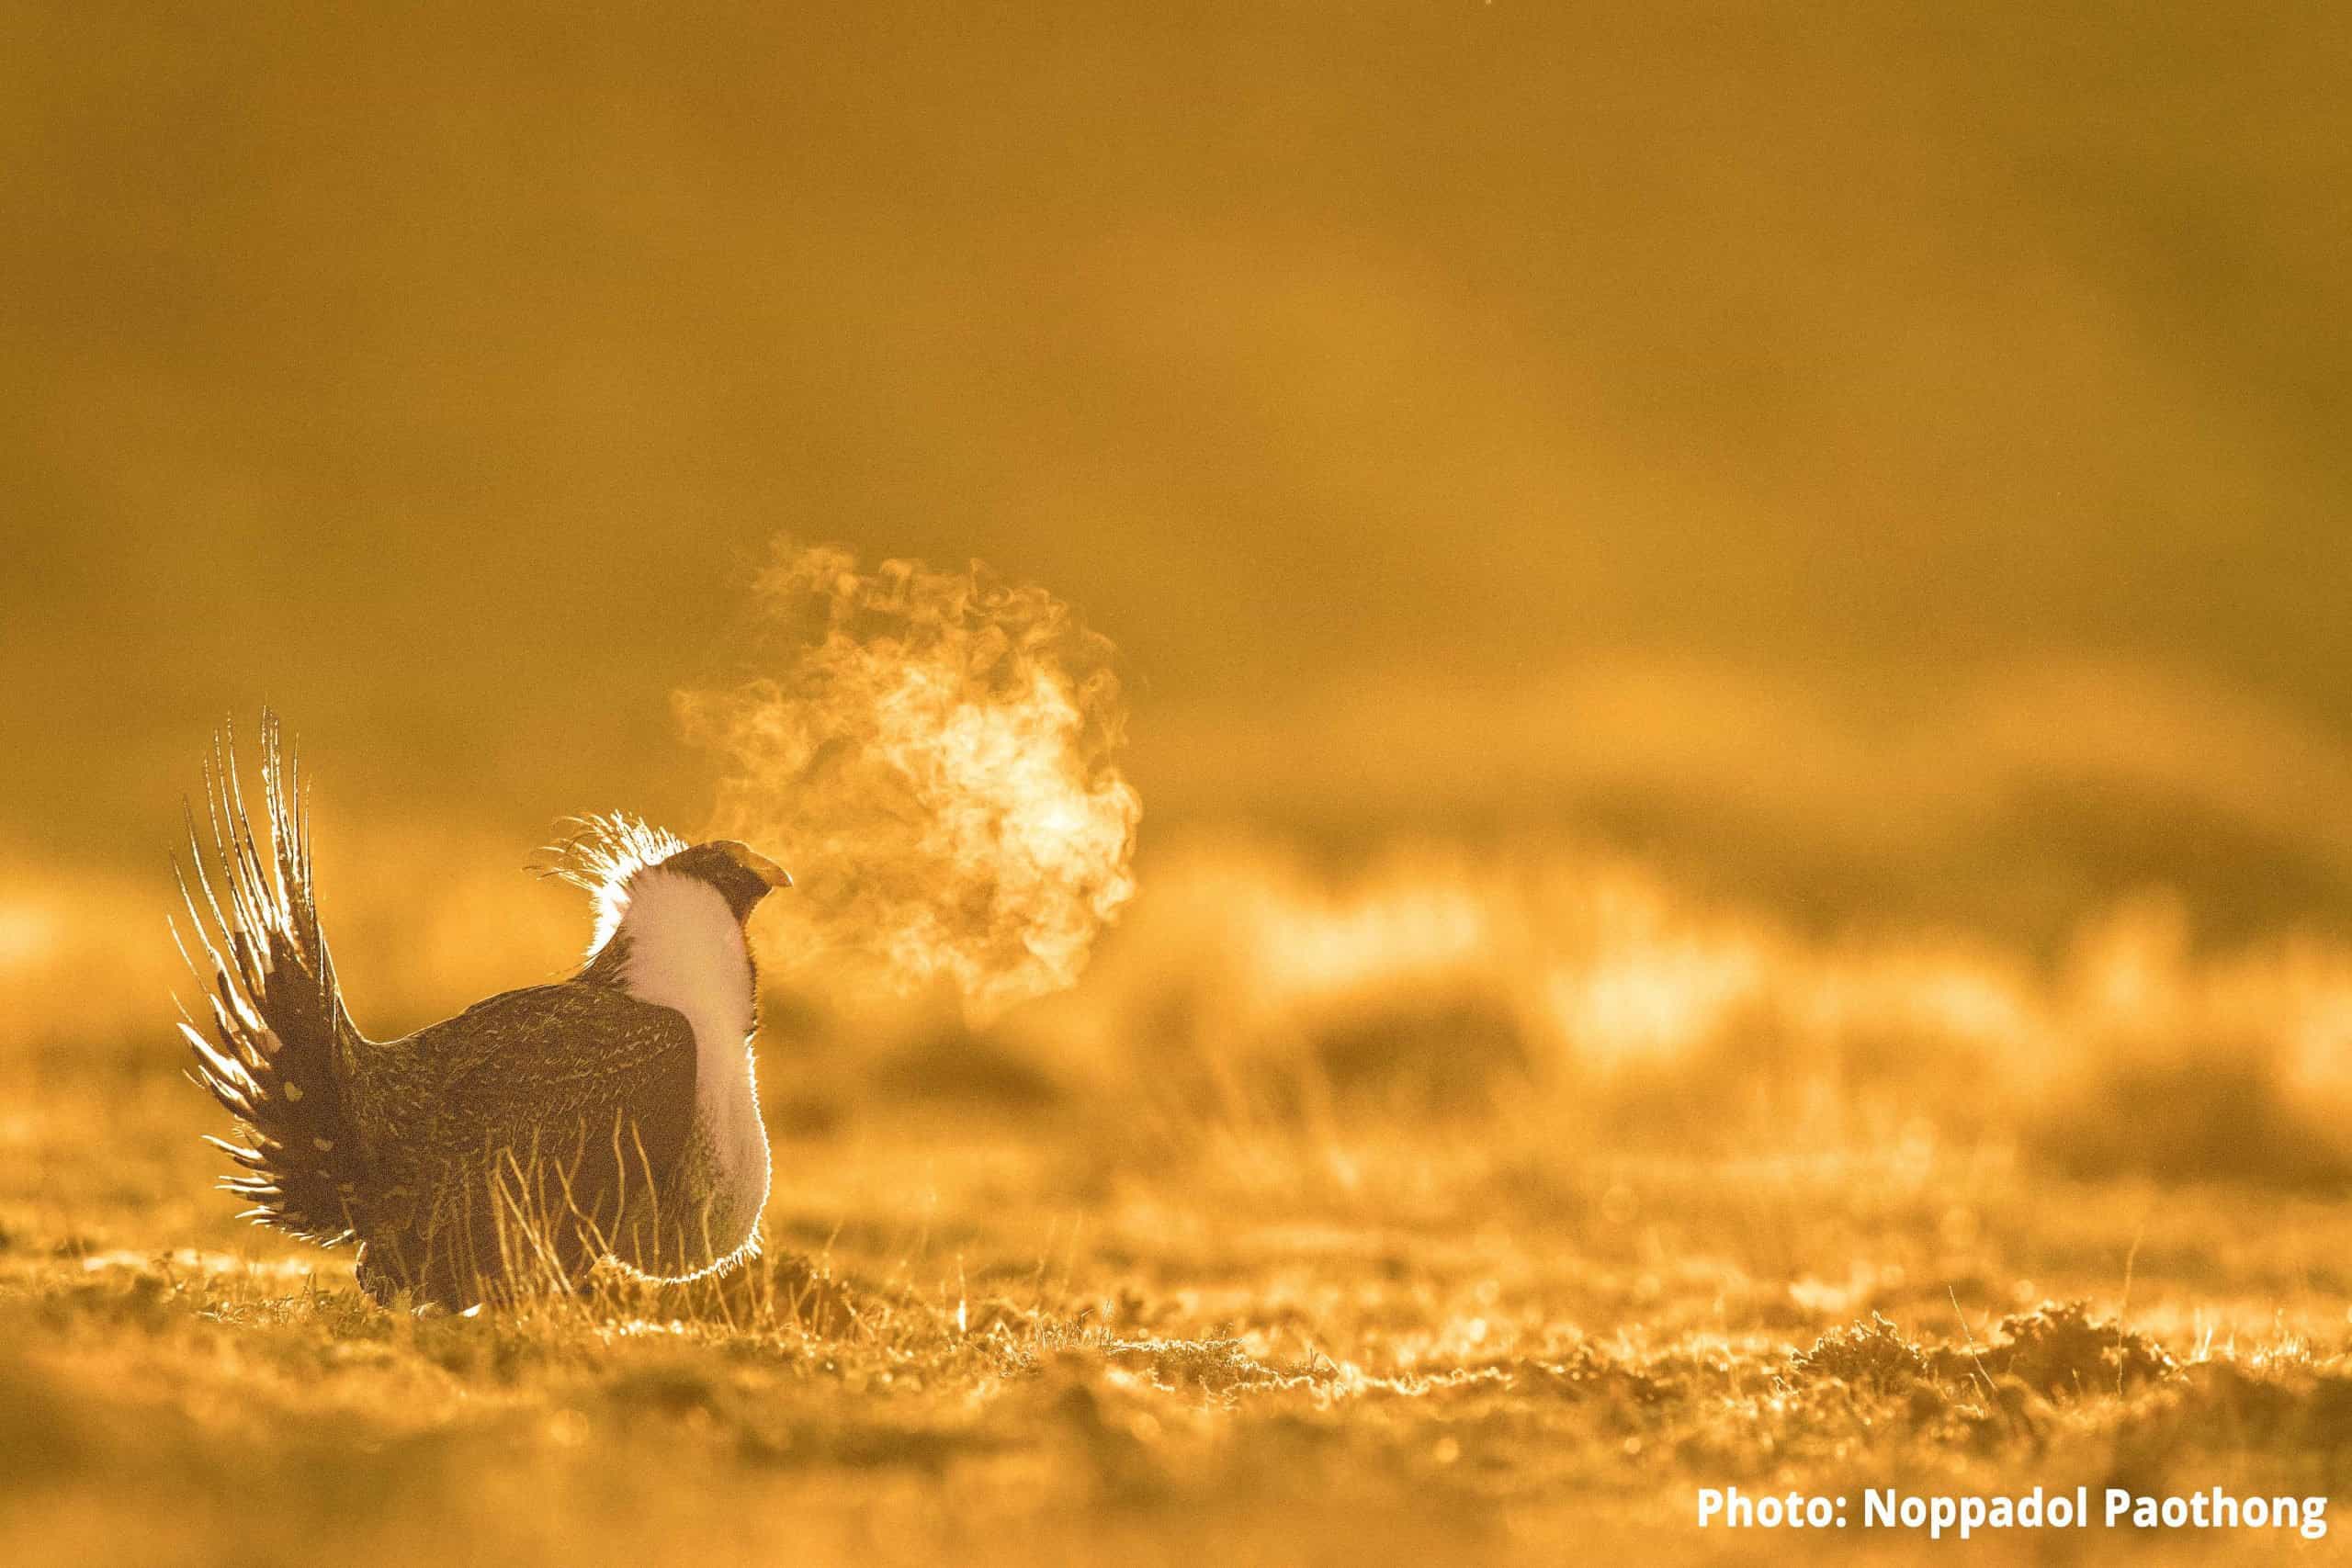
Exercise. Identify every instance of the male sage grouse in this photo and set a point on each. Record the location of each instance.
(533, 1135)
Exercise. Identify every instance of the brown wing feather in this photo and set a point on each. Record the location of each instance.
(536, 1127)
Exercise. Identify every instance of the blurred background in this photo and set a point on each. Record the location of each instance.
(1756, 565)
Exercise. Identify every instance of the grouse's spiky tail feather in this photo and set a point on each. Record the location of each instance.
(283, 1052)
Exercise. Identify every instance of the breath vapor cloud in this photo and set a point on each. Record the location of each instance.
(932, 754)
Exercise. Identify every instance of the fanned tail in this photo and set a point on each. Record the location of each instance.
(282, 1052)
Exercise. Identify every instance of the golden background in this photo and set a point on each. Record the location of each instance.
(440, 375)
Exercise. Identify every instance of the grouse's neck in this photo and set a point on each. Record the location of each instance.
(678, 945)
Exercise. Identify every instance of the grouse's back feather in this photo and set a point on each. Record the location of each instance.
(536, 1130)
(282, 1052)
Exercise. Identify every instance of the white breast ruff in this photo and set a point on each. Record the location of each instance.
(685, 951)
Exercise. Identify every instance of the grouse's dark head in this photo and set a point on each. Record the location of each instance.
(742, 876)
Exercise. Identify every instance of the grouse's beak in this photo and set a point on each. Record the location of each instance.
(759, 865)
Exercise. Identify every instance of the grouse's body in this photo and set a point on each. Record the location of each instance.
(612, 1114)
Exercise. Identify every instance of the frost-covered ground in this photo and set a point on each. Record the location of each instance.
(1060, 1334)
